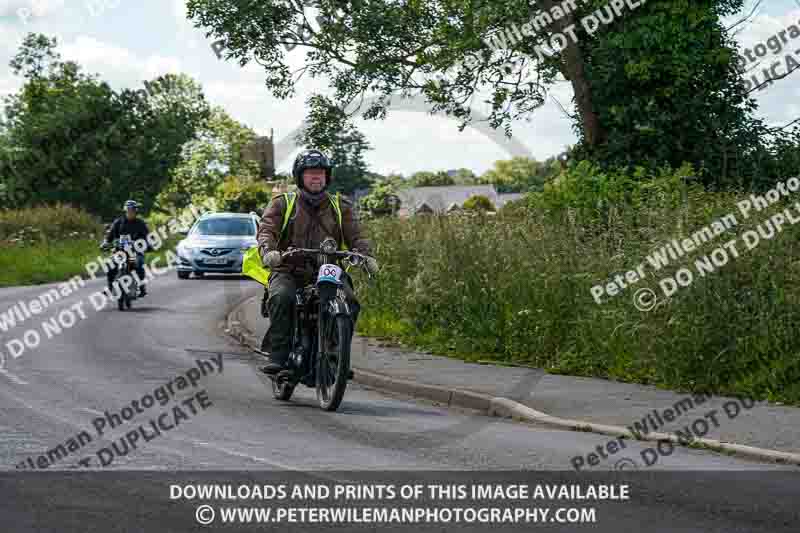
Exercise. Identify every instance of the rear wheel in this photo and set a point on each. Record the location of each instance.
(333, 361)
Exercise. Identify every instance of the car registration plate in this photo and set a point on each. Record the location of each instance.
(216, 261)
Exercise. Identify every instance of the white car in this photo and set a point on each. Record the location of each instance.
(216, 244)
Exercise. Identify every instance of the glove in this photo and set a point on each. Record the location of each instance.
(272, 259)
(372, 265)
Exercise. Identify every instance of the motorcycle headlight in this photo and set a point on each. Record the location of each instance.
(328, 246)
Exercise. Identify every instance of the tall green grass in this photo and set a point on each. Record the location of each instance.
(516, 288)
(51, 244)
(46, 244)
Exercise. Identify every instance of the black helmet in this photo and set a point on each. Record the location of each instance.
(312, 159)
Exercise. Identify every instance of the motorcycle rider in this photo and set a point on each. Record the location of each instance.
(313, 219)
(129, 224)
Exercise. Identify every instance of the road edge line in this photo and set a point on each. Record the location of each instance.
(507, 408)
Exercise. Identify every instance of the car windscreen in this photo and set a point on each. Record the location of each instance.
(225, 226)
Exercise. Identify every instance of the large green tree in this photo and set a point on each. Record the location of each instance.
(656, 85)
(215, 153)
(68, 137)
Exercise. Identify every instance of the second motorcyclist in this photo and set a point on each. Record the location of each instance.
(129, 224)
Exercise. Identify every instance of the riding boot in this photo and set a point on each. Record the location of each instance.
(277, 362)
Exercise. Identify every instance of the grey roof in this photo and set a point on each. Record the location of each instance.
(441, 198)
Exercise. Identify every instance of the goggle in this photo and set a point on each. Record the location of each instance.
(314, 160)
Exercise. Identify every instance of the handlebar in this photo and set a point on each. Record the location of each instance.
(354, 258)
(317, 251)
(115, 245)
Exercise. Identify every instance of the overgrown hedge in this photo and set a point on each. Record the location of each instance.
(517, 287)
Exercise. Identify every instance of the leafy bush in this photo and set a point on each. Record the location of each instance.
(381, 201)
(243, 195)
(57, 222)
(478, 202)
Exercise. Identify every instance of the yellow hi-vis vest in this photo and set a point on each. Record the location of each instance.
(252, 265)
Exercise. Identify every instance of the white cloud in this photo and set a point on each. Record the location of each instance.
(777, 102)
(117, 65)
(30, 8)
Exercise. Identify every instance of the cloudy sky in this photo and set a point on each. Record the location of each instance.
(128, 41)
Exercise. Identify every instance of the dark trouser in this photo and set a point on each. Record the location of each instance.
(112, 272)
(281, 305)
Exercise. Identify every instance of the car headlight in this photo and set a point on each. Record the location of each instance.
(185, 250)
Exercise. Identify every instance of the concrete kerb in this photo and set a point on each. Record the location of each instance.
(506, 408)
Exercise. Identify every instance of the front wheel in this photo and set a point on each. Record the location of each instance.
(333, 361)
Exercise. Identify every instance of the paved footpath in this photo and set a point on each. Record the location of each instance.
(599, 401)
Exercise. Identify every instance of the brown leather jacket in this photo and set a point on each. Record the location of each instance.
(307, 228)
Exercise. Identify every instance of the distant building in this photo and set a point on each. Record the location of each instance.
(448, 199)
(262, 151)
(441, 199)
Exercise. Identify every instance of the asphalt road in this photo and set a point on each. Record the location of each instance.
(50, 394)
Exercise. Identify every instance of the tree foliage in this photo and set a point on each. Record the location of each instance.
(215, 153)
(478, 202)
(426, 178)
(329, 129)
(519, 174)
(242, 195)
(68, 137)
(381, 201)
(684, 98)
(465, 176)
(673, 60)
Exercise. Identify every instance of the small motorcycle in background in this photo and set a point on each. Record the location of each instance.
(124, 279)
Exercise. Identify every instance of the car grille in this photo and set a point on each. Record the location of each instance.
(215, 252)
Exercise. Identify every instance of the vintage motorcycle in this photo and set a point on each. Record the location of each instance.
(126, 282)
(323, 330)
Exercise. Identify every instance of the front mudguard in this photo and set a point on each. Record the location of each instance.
(333, 301)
